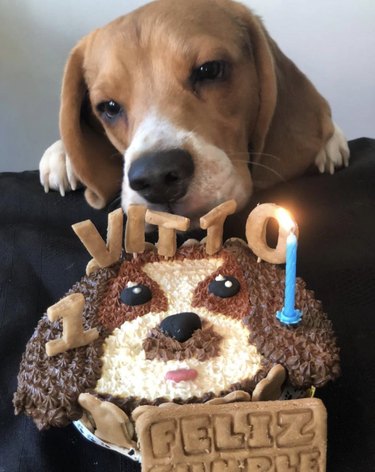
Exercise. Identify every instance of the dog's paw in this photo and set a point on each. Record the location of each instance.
(55, 170)
(334, 154)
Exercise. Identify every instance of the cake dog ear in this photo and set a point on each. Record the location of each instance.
(294, 120)
(96, 162)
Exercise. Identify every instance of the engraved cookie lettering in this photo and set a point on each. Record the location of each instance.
(230, 465)
(272, 436)
(225, 435)
(260, 430)
(162, 436)
(286, 464)
(309, 461)
(296, 428)
(195, 435)
(260, 464)
(195, 467)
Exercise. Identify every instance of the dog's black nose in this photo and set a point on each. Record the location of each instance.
(162, 176)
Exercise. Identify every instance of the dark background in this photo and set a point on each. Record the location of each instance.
(41, 258)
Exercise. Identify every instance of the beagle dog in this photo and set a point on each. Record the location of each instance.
(181, 105)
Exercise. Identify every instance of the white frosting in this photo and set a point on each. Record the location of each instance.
(127, 372)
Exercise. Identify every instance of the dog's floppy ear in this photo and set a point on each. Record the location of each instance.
(96, 162)
(294, 120)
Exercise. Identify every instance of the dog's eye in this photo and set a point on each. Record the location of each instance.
(224, 286)
(109, 109)
(213, 70)
(136, 295)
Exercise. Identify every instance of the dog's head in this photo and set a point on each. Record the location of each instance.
(166, 103)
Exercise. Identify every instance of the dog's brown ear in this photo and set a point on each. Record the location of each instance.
(96, 162)
(294, 120)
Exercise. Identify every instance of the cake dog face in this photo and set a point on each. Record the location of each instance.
(149, 328)
(178, 329)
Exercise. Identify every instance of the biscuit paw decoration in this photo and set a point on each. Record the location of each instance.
(179, 354)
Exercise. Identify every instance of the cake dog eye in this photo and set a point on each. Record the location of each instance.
(224, 286)
(136, 295)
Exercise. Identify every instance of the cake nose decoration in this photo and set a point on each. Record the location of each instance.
(181, 326)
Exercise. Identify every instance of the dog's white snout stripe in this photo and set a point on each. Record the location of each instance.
(155, 133)
(215, 178)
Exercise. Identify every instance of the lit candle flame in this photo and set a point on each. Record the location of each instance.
(285, 220)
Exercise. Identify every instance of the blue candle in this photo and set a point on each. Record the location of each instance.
(288, 314)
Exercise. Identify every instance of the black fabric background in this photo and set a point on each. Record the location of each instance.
(40, 258)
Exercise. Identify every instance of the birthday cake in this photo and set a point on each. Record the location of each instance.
(163, 325)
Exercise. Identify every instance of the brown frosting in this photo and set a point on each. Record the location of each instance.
(112, 312)
(203, 344)
(236, 306)
(48, 387)
(308, 351)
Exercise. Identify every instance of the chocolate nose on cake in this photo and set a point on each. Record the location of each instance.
(181, 326)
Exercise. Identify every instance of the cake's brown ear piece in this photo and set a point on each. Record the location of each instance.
(270, 388)
(97, 164)
(294, 120)
(104, 254)
(111, 423)
(232, 397)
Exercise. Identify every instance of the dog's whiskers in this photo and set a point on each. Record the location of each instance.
(264, 154)
(264, 166)
(251, 154)
(282, 179)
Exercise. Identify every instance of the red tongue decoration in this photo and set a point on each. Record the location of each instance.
(180, 375)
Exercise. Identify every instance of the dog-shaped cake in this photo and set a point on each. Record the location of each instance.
(147, 328)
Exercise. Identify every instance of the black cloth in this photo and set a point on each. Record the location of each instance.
(41, 258)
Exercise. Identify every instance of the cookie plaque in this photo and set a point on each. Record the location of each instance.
(277, 436)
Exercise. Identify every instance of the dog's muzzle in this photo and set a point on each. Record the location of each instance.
(162, 176)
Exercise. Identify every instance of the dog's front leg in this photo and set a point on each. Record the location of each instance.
(55, 170)
(334, 154)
